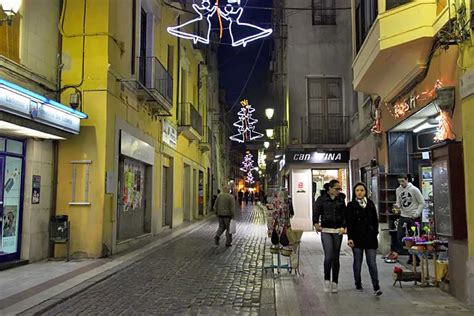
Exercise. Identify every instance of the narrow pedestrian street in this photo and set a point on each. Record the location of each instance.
(189, 275)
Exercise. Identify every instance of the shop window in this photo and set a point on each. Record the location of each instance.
(14, 147)
(366, 12)
(80, 182)
(2, 144)
(324, 12)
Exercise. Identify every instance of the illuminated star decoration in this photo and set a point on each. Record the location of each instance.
(231, 13)
(246, 124)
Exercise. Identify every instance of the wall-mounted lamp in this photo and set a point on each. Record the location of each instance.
(269, 113)
(269, 132)
(266, 145)
(10, 8)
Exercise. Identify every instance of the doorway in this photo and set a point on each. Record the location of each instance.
(186, 193)
(195, 194)
(166, 189)
(322, 176)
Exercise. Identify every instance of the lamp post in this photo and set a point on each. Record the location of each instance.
(10, 8)
(269, 113)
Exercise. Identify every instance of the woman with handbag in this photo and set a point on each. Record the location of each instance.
(328, 218)
(362, 230)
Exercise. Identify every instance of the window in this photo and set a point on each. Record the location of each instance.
(365, 15)
(170, 62)
(143, 46)
(134, 30)
(391, 4)
(324, 12)
(10, 39)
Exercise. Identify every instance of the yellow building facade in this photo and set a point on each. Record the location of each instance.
(142, 162)
(407, 56)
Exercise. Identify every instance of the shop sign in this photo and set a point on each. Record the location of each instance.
(36, 187)
(137, 149)
(19, 104)
(170, 135)
(341, 156)
(466, 84)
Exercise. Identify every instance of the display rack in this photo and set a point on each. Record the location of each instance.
(278, 223)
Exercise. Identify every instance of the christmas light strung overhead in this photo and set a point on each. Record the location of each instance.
(250, 179)
(246, 124)
(247, 164)
(240, 33)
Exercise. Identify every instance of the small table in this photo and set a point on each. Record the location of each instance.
(424, 254)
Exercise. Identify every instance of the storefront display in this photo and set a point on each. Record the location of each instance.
(11, 177)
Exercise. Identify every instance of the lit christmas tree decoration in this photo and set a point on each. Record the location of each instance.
(240, 33)
(246, 124)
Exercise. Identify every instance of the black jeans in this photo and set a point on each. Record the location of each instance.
(401, 231)
(224, 224)
(332, 248)
(370, 256)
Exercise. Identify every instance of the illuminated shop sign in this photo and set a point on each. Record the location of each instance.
(22, 102)
(341, 156)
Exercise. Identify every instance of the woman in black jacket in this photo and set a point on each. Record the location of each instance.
(362, 230)
(328, 218)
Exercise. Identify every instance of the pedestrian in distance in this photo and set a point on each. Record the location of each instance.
(246, 197)
(224, 208)
(329, 219)
(362, 231)
(241, 197)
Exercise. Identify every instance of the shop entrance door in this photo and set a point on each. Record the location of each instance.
(132, 217)
(187, 192)
(165, 189)
(322, 176)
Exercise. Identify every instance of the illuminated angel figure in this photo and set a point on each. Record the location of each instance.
(205, 10)
(241, 33)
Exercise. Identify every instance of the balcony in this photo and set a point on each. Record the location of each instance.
(206, 142)
(325, 129)
(190, 124)
(154, 76)
(387, 30)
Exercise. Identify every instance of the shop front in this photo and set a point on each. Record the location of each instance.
(308, 172)
(30, 125)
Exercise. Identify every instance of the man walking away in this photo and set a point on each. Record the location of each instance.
(224, 208)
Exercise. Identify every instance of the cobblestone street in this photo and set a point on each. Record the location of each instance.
(188, 275)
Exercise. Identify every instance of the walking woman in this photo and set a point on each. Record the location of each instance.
(362, 230)
(328, 218)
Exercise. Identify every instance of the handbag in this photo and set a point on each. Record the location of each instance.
(232, 227)
(284, 238)
(275, 238)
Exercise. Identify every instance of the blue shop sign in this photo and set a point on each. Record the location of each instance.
(25, 103)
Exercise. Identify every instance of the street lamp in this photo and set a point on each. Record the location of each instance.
(10, 8)
(270, 132)
(269, 113)
(266, 145)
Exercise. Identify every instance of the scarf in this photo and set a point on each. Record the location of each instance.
(363, 202)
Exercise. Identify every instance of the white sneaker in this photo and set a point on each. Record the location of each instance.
(334, 287)
(327, 286)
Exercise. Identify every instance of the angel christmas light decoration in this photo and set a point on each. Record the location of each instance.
(240, 33)
(247, 166)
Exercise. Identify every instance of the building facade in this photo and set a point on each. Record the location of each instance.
(32, 126)
(143, 163)
(415, 86)
(312, 87)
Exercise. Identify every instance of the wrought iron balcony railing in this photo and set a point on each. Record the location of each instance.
(325, 129)
(154, 76)
(190, 117)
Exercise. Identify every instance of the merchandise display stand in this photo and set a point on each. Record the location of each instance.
(285, 242)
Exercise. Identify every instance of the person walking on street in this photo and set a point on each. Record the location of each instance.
(224, 208)
(362, 231)
(410, 202)
(241, 197)
(246, 197)
(329, 219)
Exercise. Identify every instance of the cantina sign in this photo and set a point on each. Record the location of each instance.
(341, 156)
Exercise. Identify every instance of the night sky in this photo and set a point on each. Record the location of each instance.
(236, 63)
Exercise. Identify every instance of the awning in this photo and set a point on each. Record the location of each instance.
(26, 113)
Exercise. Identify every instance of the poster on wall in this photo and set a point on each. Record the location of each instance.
(11, 199)
(35, 195)
(301, 193)
(133, 185)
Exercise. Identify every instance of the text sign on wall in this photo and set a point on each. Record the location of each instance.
(341, 156)
(135, 148)
(20, 105)
(170, 135)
